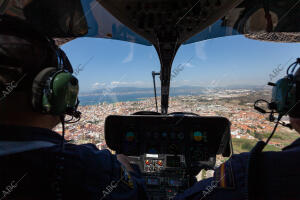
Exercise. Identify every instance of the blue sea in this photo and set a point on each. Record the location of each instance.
(93, 100)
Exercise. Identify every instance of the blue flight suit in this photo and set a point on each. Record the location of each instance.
(80, 172)
(277, 177)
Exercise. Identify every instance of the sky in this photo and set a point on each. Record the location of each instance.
(227, 61)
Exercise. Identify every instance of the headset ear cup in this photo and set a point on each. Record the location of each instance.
(38, 86)
(296, 111)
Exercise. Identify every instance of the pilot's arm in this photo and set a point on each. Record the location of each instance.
(98, 174)
(228, 182)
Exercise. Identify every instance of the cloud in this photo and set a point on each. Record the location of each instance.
(200, 50)
(130, 55)
(130, 84)
(97, 85)
(115, 83)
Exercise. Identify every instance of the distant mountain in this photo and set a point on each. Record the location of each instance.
(173, 90)
(117, 90)
(247, 87)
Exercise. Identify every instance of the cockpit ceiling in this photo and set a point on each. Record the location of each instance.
(142, 21)
(168, 20)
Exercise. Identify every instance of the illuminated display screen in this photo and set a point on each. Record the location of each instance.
(175, 183)
(198, 136)
(130, 136)
(153, 181)
(173, 161)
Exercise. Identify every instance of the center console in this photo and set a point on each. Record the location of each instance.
(169, 151)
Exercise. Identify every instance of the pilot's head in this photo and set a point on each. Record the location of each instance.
(295, 114)
(23, 55)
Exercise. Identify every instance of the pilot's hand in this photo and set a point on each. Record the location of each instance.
(125, 161)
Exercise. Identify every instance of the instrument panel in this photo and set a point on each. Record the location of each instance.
(135, 143)
(169, 150)
(140, 134)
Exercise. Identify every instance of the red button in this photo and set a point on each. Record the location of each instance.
(160, 162)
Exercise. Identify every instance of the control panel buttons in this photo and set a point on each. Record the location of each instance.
(153, 165)
(160, 162)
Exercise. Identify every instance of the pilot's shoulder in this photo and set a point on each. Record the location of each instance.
(86, 149)
(92, 156)
(232, 173)
(94, 151)
(237, 162)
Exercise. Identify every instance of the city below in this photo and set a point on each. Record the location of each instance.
(248, 126)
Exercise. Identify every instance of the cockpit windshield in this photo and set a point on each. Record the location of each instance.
(218, 77)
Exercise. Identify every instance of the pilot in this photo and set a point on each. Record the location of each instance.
(274, 175)
(33, 164)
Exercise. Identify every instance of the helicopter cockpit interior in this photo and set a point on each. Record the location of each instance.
(169, 149)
